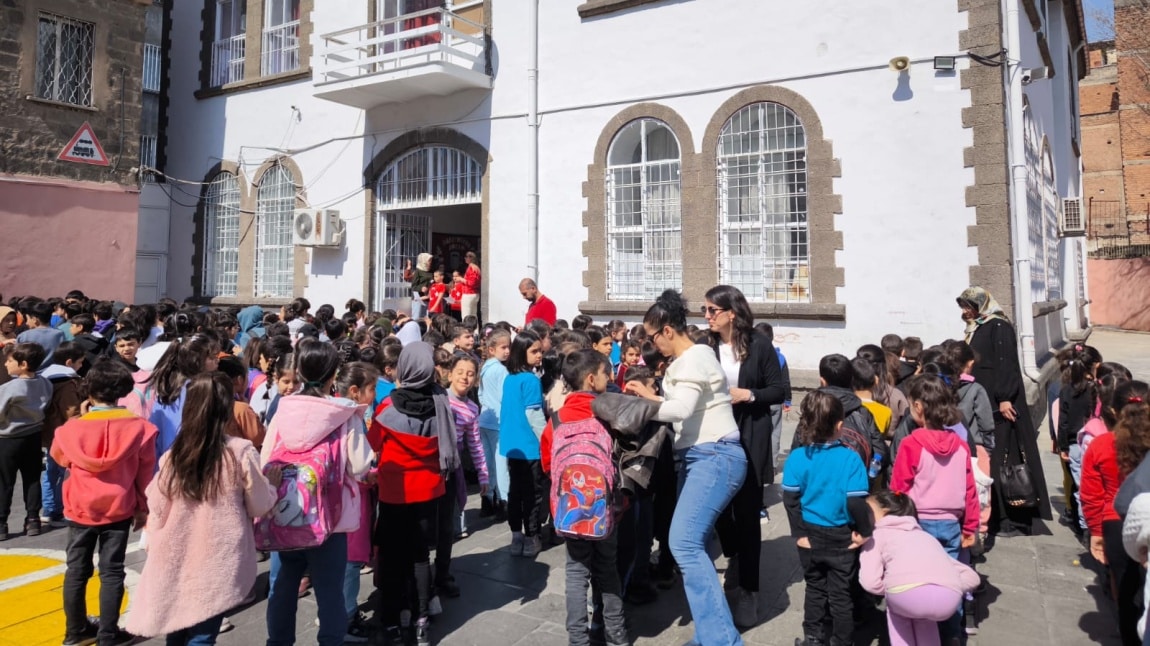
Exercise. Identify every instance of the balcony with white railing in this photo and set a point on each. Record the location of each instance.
(430, 52)
(228, 60)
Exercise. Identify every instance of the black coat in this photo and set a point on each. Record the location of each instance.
(761, 374)
(999, 372)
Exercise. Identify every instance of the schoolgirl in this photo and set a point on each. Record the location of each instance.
(521, 422)
(166, 388)
(1077, 401)
(497, 346)
(451, 520)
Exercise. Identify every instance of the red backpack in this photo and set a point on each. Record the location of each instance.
(583, 480)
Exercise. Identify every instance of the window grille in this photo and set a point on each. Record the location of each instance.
(430, 176)
(644, 212)
(151, 68)
(148, 146)
(403, 237)
(275, 253)
(281, 38)
(1050, 208)
(64, 60)
(228, 60)
(764, 245)
(1034, 207)
(221, 209)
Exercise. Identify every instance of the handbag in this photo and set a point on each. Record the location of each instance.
(1014, 481)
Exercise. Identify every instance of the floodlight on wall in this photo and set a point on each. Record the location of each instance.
(900, 64)
(944, 63)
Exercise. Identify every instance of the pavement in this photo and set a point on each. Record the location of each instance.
(1041, 590)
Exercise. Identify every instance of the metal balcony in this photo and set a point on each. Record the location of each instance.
(430, 52)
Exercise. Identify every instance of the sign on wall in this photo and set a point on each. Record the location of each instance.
(84, 148)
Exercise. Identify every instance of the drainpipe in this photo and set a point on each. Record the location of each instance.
(1019, 219)
(533, 144)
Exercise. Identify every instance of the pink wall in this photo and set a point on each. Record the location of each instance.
(1120, 293)
(57, 236)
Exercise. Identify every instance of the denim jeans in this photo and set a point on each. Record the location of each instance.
(418, 307)
(1076, 473)
(594, 562)
(83, 541)
(50, 482)
(497, 474)
(949, 534)
(201, 634)
(351, 588)
(326, 565)
(712, 474)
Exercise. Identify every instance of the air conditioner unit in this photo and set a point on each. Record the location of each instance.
(1073, 224)
(317, 228)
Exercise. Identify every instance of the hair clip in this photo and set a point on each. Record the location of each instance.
(1078, 347)
(896, 492)
(1134, 400)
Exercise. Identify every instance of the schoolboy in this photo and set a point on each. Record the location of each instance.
(38, 315)
(83, 332)
(863, 381)
(127, 346)
(437, 293)
(111, 456)
(64, 376)
(456, 297)
(23, 401)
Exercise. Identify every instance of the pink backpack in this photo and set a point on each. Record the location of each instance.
(309, 500)
(583, 480)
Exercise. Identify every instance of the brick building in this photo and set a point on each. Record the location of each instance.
(70, 224)
(1115, 112)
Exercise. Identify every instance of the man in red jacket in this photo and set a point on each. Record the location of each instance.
(541, 306)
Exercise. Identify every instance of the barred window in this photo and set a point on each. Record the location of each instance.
(275, 253)
(221, 209)
(281, 37)
(644, 212)
(764, 245)
(64, 60)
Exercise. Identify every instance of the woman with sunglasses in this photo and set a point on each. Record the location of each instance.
(697, 401)
(756, 383)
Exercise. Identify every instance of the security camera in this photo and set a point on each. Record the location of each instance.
(1027, 77)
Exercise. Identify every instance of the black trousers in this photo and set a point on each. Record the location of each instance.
(20, 456)
(740, 531)
(83, 541)
(527, 496)
(1126, 577)
(445, 529)
(829, 567)
(400, 534)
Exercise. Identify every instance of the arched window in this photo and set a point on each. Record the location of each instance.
(221, 208)
(430, 176)
(644, 212)
(761, 173)
(275, 207)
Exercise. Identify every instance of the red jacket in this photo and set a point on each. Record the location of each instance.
(542, 308)
(436, 294)
(1099, 483)
(471, 280)
(457, 297)
(576, 407)
(408, 464)
(111, 458)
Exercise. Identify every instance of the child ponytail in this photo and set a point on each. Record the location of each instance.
(895, 503)
(1078, 363)
(358, 374)
(1132, 432)
(819, 418)
(938, 401)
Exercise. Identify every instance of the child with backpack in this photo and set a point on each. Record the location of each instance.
(1077, 402)
(201, 549)
(521, 422)
(921, 583)
(110, 455)
(23, 402)
(308, 528)
(582, 499)
(65, 405)
(859, 432)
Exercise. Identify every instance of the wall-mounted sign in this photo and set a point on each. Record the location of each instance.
(84, 148)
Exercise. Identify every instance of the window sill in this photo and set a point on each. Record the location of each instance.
(592, 8)
(236, 301)
(252, 84)
(61, 104)
(1047, 307)
(773, 311)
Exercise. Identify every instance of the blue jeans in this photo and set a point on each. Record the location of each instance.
(50, 482)
(497, 474)
(351, 588)
(1075, 472)
(949, 534)
(326, 565)
(712, 474)
(418, 307)
(201, 634)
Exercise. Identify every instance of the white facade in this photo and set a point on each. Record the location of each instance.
(898, 139)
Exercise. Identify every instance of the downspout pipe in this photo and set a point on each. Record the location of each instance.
(1019, 218)
(533, 143)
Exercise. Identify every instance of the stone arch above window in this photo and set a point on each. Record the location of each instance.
(810, 288)
(207, 266)
(615, 149)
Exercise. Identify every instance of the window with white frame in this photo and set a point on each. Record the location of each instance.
(221, 212)
(1051, 204)
(1036, 234)
(430, 176)
(280, 37)
(229, 44)
(764, 247)
(64, 60)
(644, 212)
(275, 253)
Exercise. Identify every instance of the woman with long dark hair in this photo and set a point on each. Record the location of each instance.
(756, 383)
(992, 337)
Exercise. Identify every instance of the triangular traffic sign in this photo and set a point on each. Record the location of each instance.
(84, 148)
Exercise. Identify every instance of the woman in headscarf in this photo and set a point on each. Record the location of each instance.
(414, 434)
(992, 337)
(420, 279)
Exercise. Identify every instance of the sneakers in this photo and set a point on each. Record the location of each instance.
(764, 515)
(55, 522)
(970, 616)
(516, 543)
(423, 632)
(745, 609)
(532, 545)
(357, 630)
(32, 527)
(87, 636)
(4, 533)
(226, 626)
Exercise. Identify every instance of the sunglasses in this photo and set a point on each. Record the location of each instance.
(710, 310)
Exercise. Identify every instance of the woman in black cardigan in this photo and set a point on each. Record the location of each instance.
(756, 383)
(992, 337)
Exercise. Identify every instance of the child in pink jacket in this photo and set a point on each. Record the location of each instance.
(922, 584)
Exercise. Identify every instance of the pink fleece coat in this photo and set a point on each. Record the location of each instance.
(900, 555)
(201, 555)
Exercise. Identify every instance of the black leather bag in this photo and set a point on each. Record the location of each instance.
(1014, 480)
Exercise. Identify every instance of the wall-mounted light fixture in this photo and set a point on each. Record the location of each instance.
(900, 64)
(944, 63)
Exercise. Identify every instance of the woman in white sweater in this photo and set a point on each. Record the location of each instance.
(696, 400)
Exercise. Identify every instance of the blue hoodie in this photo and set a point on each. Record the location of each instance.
(251, 320)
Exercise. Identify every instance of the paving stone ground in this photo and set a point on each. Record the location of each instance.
(1041, 590)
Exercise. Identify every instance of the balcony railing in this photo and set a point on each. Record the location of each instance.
(228, 60)
(151, 68)
(395, 44)
(280, 49)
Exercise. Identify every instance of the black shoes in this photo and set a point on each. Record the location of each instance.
(32, 527)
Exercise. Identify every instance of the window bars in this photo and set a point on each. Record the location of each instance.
(764, 245)
(275, 252)
(404, 236)
(430, 176)
(644, 212)
(280, 49)
(151, 68)
(64, 60)
(228, 60)
(221, 209)
(1050, 210)
(148, 148)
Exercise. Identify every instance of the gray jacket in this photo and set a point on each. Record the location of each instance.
(977, 414)
(22, 406)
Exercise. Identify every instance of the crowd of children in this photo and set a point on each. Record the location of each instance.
(342, 446)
